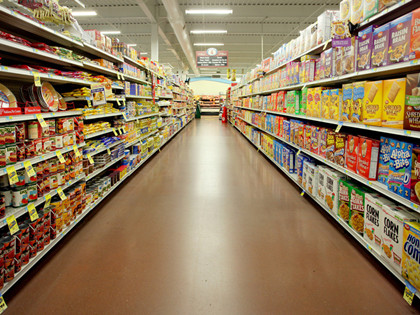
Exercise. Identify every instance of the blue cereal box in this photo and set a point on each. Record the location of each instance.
(383, 165)
(399, 178)
(286, 130)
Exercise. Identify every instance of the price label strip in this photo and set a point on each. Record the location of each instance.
(409, 292)
(11, 172)
(76, 151)
(302, 193)
(29, 168)
(118, 76)
(37, 79)
(41, 120)
(60, 156)
(47, 201)
(61, 193)
(12, 224)
(3, 305)
(90, 159)
(115, 131)
(32, 212)
(125, 116)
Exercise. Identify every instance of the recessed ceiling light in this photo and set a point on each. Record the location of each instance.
(111, 32)
(84, 13)
(209, 11)
(209, 44)
(208, 32)
(131, 45)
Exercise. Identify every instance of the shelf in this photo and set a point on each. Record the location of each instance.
(165, 97)
(134, 79)
(117, 87)
(17, 118)
(135, 63)
(373, 184)
(40, 158)
(344, 225)
(106, 166)
(102, 149)
(99, 133)
(138, 97)
(90, 117)
(127, 145)
(180, 101)
(90, 49)
(142, 117)
(164, 105)
(17, 212)
(100, 69)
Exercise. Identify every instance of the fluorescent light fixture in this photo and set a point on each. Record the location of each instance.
(258, 65)
(111, 32)
(209, 11)
(143, 53)
(131, 45)
(80, 3)
(208, 32)
(84, 13)
(209, 44)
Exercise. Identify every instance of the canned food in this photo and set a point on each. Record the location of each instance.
(9, 273)
(18, 262)
(40, 187)
(2, 135)
(30, 179)
(21, 179)
(47, 237)
(46, 185)
(59, 143)
(24, 239)
(38, 146)
(20, 151)
(46, 167)
(19, 197)
(53, 164)
(7, 194)
(35, 130)
(46, 144)
(3, 161)
(32, 191)
(9, 245)
(11, 156)
(2, 206)
(39, 169)
(29, 149)
(10, 134)
(61, 179)
(51, 126)
(25, 256)
(66, 139)
(20, 132)
(53, 143)
(53, 181)
(33, 248)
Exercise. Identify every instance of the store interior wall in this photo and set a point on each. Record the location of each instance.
(209, 87)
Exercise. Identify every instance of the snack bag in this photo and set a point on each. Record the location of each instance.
(347, 103)
(399, 39)
(335, 100)
(352, 146)
(399, 178)
(358, 95)
(384, 157)
(372, 103)
(380, 46)
(394, 100)
(415, 35)
(367, 159)
(410, 254)
(344, 191)
(412, 102)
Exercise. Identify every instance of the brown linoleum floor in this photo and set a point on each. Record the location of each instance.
(208, 226)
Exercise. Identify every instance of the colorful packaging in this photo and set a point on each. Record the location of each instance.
(415, 35)
(347, 103)
(304, 101)
(370, 8)
(410, 254)
(345, 10)
(356, 11)
(384, 157)
(364, 48)
(315, 140)
(349, 57)
(323, 142)
(335, 101)
(357, 209)
(372, 103)
(358, 95)
(337, 61)
(331, 189)
(325, 104)
(310, 102)
(367, 159)
(330, 145)
(320, 194)
(328, 63)
(352, 146)
(340, 147)
(308, 137)
(399, 39)
(344, 191)
(399, 178)
(312, 182)
(415, 175)
(384, 4)
(316, 109)
(394, 100)
(300, 160)
(380, 46)
(412, 101)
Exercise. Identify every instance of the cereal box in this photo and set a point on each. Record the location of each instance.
(411, 254)
(352, 146)
(308, 137)
(412, 102)
(357, 208)
(310, 102)
(384, 4)
(399, 39)
(372, 103)
(281, 100)
(290, 161)
(394, 100)
(305, 174)
(415, 35)
(370, 8)
(337, 61)
(330, 145)
(349, 57)
(344, 191)
(316, 109)
(315, 140)
(335, 100)
(301, 132)
(331, 189)
(300, 161)
(304, 101)
(320, 193)
(415, 175)
(323, 142)
(347, 103)
(400, 168)
(311, 185)
(364, 48)
(393, 234)
(286, 130)
(380, 46)
(328, 63)
(325, 104)
(345, 10)
(356, 11)
(340, 147)
(367, 158)
(358, 95)
(384, 157)
(373, 219)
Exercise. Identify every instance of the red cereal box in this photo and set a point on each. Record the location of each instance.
(352, 146)
(315, 140)
(415, 35)
(340, 148)
(323, 142)
(308, 136)
(330, 145)
(367, 158)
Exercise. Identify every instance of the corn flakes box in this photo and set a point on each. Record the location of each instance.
(393, 222)
(335, 101)
(399, 178)
(320, 192)
(344, 189)
(357, 208)
(347, 103)
(331, 189)
(394, 103)
(384, 157)
(372, 103)
(325, 104)
(411, 254)
(373, 218)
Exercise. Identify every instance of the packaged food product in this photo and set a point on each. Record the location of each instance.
(356, 11)
(330, 145)
(328, 63)
(312, 182)
(304, 100)
(412, 101)
(370, 8)
(300, 160)
(19, 197)
(307, 137)
(347, 103)
(380, 46)
(335, 100)
(9, 134)
(11, 154)
(352, 145)
(320, 192)
(367, 159)
(364, 48)
(345, 10)
(340, 147)
(340, 29)
(325, 104)
(310, 102)
(415, 175)
(384, 157)
(20, 132)
(316, 109)
(415, 35)
(410, 253)
(399, 39)
(394, 100)
(315, 140)
(357, 208)
(332, 189)
(394, 218)
(358, 95)
(383, 4)
(344, 190)
(349, 57)
(337, 61)
(372, 103)
(323, 142)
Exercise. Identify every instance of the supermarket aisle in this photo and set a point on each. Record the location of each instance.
(207, 227)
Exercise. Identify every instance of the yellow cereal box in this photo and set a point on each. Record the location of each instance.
(411, 254)
(358, 95)
(347, 103)
(372, 103)
(316, 109)
(335, 100)
(393, 103)
(325, 104)
(310, 102)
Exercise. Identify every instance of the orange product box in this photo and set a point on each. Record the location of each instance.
(367, 158)
(335, 100)
(310, 102)
(415, 35)
(316, 109)
(307, 137)
(301, 133)
(372, 103)
(352, 146)
(394, 103)
(330, 145)
(325, 104)
(315, 140)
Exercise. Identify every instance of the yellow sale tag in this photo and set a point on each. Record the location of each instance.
(76, 151)
(302, 193)
(89, 102)
(32, 212)
(90, 159)
(118, 76)
(408, 296)
(125, 117)
(120, 131)
(115, 131)
(123, 128)
(60, 192)
(13, 178)
(41, 120)
(37, 78)
(109, 151)
(60, 156)
(124, 102)
(118, 102)
(122, 77)
(13, 226)
(3, 305)
(338, 128)
(298, 152)
(29, 169)
(47, 201)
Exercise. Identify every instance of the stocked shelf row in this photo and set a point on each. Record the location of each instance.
(127, 145)
(100, 150)
(106, 166)
(18, 118)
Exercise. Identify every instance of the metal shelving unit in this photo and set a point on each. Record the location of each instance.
(90, 117)
(99, 133)
(138, 97)
(106, 166)
(17, 118)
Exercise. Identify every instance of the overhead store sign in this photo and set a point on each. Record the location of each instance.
(212, 58)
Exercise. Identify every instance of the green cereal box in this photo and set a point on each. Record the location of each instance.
(344, 190)
(303, 101)
(357, 208)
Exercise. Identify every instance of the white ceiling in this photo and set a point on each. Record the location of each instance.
(252, 22)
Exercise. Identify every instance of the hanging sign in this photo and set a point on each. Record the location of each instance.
(212, 58)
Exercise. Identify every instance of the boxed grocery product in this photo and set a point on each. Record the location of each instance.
(394, 100)
(308, 137)
(347, 103)
(358, 95)
(320, 192)
(331, 189)
(345, 10)
(324, 25)
(340, 147)
(330, 145)
(303, 103)
(394, 218)
(349, 57)
(305, 175)
(328, 54)
(323, 142)
(384, 157)
(380, 46)
(315, 140)
(410, 255)
(373, 219)
(370, 8)
(399, 39)
(399, 178)
(325, 104)
(301, 133)
(384, 4)
(281, 100)
(372, 103)
(311, 185)
(337, 61)
(356, 7)
(344, 189)
(286, 130)
(300, 161)
(310, 102)
(352, 146)
(364, 48)
(335, 100)
(290, 159)
(367, 158)
(357, 208)
(415, 35)
(316, 109)
(412, 101)
(415, 175)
